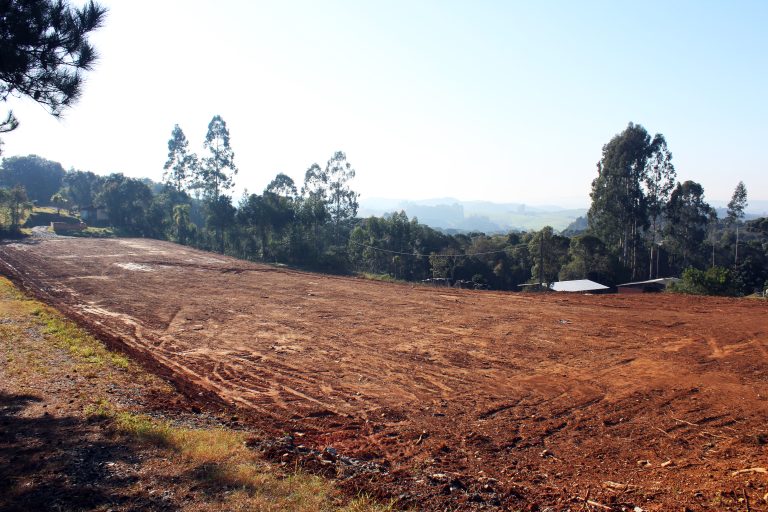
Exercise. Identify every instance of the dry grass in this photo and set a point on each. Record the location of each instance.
(226, 462)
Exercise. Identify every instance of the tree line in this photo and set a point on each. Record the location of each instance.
(642, 223)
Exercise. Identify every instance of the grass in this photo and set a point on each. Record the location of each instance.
(44, 215)
(93, 232)
(222, 461)
(66, 334)
(380, 277)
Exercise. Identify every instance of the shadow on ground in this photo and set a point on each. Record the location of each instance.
(64, 463)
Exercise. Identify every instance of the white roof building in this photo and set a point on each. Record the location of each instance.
(577, 285)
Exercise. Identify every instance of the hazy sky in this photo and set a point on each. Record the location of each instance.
(500, 101)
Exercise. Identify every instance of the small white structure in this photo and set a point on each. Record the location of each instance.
(579, 286)
(649, 286)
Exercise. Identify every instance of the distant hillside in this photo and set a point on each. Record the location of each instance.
(454, 215)
(755, 208)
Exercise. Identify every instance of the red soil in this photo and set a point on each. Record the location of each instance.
(467, 399)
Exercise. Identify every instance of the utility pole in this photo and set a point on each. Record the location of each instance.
(541, 259)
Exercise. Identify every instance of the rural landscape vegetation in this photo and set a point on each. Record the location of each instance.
(173, 345)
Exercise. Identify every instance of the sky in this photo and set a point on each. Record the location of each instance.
(501, 101)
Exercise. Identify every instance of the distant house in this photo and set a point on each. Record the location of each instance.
(579, 286)
(650, 286)
(94, 214)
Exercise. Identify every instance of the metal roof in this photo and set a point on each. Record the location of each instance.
(666, 281)
(577, 285)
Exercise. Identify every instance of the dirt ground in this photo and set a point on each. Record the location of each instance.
(83, 428)
(455, 399)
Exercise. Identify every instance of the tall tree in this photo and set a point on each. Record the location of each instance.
(619, 213)
(659, 181)
(313, 209)
(282, 186)
(218, 167)
(14, 204)
(44, 50)
(549, 252)
(181, 164)
(220, 216)
(712, 222)
(687, 218)
(81, 187)
(736, 208)
(342, 200)
(126, 200)
(589, 259)
(40, 177)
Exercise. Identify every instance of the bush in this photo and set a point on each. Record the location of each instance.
(713, 281)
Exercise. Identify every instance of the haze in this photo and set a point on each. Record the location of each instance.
(498, 101)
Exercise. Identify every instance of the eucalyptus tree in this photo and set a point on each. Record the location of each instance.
(342, 200)
(181, 165)
(218, 169)
(687, 217)
(659, 181)
(736, 208)
(282, 185)
(313, 208)
(220, 215)
(635, 178)
(619, 210)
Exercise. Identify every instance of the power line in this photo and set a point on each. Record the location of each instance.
(419, 255)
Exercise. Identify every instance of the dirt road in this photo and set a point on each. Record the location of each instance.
(465, 398)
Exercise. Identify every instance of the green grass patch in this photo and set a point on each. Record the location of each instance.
(379, 277)
(66, 334)
(43, 216)
(93, 232)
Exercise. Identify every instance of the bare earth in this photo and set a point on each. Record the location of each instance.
(463, 399)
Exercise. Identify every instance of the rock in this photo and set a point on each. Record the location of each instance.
(330, 453)
(439, 477)
(457, 485)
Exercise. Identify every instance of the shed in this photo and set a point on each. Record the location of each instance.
(94, 214)
(579, 286)
(649, 286)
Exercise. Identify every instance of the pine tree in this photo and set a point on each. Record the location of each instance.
(44, 49)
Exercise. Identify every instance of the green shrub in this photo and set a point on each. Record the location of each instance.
(713, 281)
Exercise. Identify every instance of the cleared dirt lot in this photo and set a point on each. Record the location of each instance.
(467, 399)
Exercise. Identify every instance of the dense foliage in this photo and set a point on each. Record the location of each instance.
(44, 50)
(642, 224)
